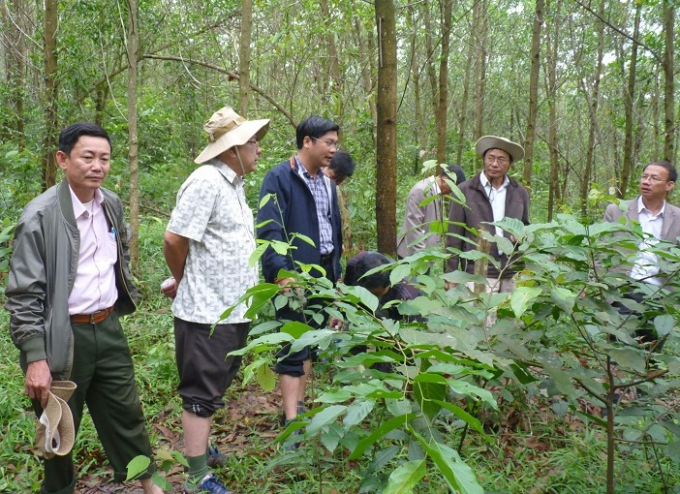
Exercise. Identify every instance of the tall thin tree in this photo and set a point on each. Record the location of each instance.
(386, 148)
(533, 94)
(244, 56)
(50, 24)
(133, 137)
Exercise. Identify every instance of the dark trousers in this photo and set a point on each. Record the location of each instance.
(104, 373)
(646, 336)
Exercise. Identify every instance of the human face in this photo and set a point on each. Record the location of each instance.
(444, 186)
(322, 149)
(86, 166)
(250, 154)
(496, 164)
(654, 183)
(334, 175)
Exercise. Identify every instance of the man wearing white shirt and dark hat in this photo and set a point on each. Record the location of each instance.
(490, 196)
(208, 243)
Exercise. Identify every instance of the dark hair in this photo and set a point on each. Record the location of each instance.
(343, 165)
(68, 137)
(457, 171)
(314, 127)
(370, 260)
(672, 171)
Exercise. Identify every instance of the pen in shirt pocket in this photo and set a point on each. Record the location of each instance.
(113, 233)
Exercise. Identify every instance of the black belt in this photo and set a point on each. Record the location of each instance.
(325, 258)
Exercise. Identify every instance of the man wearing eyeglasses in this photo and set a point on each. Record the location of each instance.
(659, 221)
(306, 203)
(490, 196)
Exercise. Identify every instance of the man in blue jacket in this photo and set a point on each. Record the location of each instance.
(306, 203)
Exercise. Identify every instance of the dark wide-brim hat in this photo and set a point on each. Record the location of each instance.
(485, 143)
(227, 129)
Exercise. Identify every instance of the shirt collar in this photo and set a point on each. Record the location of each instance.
(226, 172)
(641, 208)
(78, 208)
(303, 171)
(485, 181)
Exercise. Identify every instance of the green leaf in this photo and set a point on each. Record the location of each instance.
(137, 466)
(357, 412)
(393, 423)
(466, 417)
(162, 482)
(663, 324)
(505, 246)
(563, 298)
(428, 390)
(331, 438)
(325, 417)
(400, 272)
(304, 238)
(266, 378)
(405, 478)
(457, 474)
(295, 328)
(521, 298)
(265, 199)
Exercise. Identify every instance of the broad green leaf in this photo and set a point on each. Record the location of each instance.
(629, 358)
(466, 417)
(457, 474)
(521, 298)
(137, 466)
(266, 378)
(281, 248)
(663, 324)
(357, 412)
(265, 199)
(563, 298)
(505, 246)
(399, 273)
(386, 427)
(325, 417)
(161, 481)
(383, 457)
(428, 390)
(295, 328)
(304, 238)
(331, 437)
(405, 478)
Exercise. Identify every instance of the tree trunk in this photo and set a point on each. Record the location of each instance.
(15, 54)
(50, 94)
(593, 103)
(244, 57)
(386, 149)
(462, 118)
(446, 7)
(415, 76)
(533, 94)
(629, 102)
(366, 53)
(133, 156)
(669, 84)
(552, 52)
(335, 80)
(480, 72)
(431, 72)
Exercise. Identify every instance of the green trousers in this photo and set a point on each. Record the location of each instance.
(104, 373)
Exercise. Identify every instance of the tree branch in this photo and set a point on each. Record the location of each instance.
(231, 75)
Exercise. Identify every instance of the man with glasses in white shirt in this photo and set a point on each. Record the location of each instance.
(659, 221)
(490, 196)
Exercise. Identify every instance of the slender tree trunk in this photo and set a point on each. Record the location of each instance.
(462, 118)
(366, 53)
(50, 94)
(244, 57)
(552, 53)
(386, 150)
(629, 102)
(133, 155)
(533, 94)
(446, 7)
(15, 54)
(431, 72)
(415, 77)
(656, 110)
(480, 72)
(593, 108)
(669, 83)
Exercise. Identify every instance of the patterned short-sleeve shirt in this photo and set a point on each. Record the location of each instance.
(212, 213)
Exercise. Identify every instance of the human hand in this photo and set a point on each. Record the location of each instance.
(283, 283)
(169, 288)
(38, 381)
(449, 285)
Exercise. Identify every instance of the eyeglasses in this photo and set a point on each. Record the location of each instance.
(500, 159)
(329, 144)
(652, 178)
(252, 141)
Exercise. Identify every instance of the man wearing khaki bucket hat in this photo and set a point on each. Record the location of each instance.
(208, 243)
(69, 283)
(490, 196)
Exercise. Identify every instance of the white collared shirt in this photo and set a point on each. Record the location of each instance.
(646, 267)
(95, 284)
(213, 214)
(497, 198)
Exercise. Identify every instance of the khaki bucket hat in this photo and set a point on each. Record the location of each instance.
(227, 129)
(55, 433)
(485, 143)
